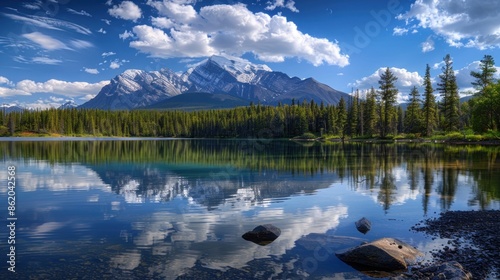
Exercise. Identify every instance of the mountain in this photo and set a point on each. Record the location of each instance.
(137, 88)
(68, 105)
(232, 76)
(10, 108)
(191, 101)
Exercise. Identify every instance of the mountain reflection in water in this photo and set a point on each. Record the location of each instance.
(166, 208)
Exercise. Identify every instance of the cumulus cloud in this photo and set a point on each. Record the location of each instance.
(406, 81)
(102, 31)
(230, 29)
(398, 31)
(289, 4)
(126, 34)
(162, 22)
(466, 23)
(126, 10)
(428, 45)
(114, 64)
(64, 88)
(91, 70)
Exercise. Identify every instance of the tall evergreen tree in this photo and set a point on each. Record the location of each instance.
(370, 112)
(487, 74)
(342, 117)
(429, 108)
(388, 93)
(413, 116)
(450, 99)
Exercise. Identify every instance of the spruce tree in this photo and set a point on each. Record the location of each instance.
(486, 76)
(429, 108)
(413, 116)
(388, 93)
(450, 99)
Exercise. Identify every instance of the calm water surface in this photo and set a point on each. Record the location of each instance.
(168, 209)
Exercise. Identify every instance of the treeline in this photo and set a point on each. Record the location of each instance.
(370, 114)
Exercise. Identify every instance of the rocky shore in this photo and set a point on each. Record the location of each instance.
(474, 241)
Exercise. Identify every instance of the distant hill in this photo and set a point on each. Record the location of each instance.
(8, 109)
(216, 75)
(191, 101)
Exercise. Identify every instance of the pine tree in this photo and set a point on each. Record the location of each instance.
(413, 116)
(486, 76)
(429, 108)
(388, 93)
(342, 117)
(449, 92)
(370, 112)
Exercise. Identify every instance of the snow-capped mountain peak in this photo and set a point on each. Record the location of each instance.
(243, 70)
(68, 105)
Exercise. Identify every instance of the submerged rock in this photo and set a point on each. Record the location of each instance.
(387, 254)
(448, 270)
(263, 234)
(363, 225)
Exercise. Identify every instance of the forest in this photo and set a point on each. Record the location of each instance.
(370, 114)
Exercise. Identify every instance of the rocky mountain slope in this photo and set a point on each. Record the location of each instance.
(216, 75)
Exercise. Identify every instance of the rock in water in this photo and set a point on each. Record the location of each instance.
(263, 234)
(363, 225)
(387, 254)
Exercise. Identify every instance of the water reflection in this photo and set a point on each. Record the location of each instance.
(167, 208)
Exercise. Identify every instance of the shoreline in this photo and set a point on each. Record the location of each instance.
(59, 137)
(473, 241)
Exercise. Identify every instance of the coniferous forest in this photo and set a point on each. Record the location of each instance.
(368, 114)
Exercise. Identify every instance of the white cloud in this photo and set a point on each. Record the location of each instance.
(114, 64)
(162, 22)
(101, 31)
(108, 54)
(234, 30)
(81, 44)
(126, 10)
(46, 60)
(4, 80)
(176, 11)
(468, 23)
(406, 81)
(428, 45)
(81, 13)
(33, 6)
(290, 4)
(107, 21)
(50, 23)
(46, 42)
(126, 34)
(399, 31)
(68, 89)
(91, 70)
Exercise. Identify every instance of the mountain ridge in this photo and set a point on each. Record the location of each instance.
(215, 75)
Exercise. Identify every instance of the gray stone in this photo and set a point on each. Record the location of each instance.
(363, 225)
(387, 254)
(263, 234)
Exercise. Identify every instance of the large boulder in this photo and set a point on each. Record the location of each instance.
(363, 225)
(263, 234)
(387, 254)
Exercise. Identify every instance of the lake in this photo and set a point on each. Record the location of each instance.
(176, 209)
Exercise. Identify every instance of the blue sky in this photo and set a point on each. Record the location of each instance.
(53, 51)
